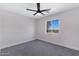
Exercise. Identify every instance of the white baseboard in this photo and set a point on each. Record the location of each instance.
(42, 40)
(67, 46)
(15, 44)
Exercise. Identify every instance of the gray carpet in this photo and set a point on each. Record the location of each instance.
(38, 48)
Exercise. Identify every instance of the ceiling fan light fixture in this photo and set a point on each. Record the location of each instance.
(44, 12)
(38, 14)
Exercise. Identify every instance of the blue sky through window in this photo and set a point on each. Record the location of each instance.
(55, 24)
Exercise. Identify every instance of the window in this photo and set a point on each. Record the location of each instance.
(53, 26)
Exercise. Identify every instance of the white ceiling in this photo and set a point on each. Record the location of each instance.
(20, 8)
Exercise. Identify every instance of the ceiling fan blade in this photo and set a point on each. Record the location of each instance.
(45, 10)
(34, 13)
(42, 13)
(31, 10)
(38, 6)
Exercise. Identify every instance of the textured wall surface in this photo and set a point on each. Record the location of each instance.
(68, 35)
(15, 29)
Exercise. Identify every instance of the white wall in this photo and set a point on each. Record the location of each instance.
(69, 30)
(15, 29)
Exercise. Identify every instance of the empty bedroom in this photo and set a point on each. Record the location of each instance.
(39, 29)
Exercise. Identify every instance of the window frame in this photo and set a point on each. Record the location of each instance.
(46, 26)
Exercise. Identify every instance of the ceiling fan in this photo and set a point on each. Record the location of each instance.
(38, 10)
